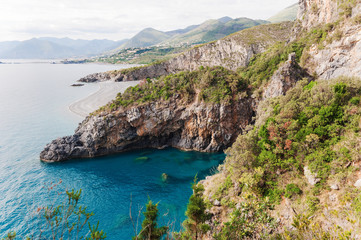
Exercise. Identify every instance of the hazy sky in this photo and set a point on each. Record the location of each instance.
(119, 19)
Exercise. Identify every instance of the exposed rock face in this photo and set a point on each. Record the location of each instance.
(230, 52)
(199, 126)
(285, 78)
(233, 51)
(343, 55)
(311, 178)
(103, 76)
(315, 12)
(339, 58)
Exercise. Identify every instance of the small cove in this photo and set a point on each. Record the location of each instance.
(34, 100)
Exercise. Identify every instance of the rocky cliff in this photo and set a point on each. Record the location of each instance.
(197, 126)
(230, 52)
(340, 54)
(333, 53)
(285, 78)
(315, 12)
(304, 158)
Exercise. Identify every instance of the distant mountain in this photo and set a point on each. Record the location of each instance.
(212, 30)
(287, 14)
(146, 38)
(47, 48)
(225, 19)
(182, 31)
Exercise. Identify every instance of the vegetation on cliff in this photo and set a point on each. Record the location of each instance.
(215, 85)
(316, 126)
(150, 230)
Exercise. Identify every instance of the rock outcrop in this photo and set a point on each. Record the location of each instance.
(199, 126)
(102, 76)
(285, 78)
(342, 54)
(339, 58)
(315, 12)
(230, 52)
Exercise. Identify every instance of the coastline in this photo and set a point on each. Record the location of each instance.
(107, 91)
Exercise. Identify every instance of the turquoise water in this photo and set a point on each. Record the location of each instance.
(34, 101)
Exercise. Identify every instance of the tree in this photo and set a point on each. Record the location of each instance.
(196, 214)
(64, 221)
(150, 230)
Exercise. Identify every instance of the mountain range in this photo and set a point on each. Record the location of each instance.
(46, 48)
(287, 14)
(210, 30)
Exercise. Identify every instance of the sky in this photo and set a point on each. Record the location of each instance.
(119, 19)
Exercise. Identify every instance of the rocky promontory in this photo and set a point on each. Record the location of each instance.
(194, 125)
(198, 126)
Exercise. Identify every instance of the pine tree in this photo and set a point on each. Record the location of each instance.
(196, 212)
(149, 230)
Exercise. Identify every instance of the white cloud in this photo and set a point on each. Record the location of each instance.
(119, 19)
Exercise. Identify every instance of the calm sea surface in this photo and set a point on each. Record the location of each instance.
(34, 100)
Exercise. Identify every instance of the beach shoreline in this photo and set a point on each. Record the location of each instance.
(107, 91)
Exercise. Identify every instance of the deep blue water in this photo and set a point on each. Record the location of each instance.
(34, 101)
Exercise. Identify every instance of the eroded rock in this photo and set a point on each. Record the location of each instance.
(198, 126)
(311, 177)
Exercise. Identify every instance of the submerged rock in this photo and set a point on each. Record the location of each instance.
(164, 177)
(142, 159)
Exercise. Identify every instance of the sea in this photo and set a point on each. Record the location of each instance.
(34, 100)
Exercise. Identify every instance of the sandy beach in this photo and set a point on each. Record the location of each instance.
(107, 92)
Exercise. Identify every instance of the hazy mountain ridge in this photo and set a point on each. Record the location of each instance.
(210, 30)
(55, 48)
(287, 14)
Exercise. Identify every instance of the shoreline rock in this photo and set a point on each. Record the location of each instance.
(198, 126)
(77, 85)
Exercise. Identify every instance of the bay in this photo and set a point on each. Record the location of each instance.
(34, 100)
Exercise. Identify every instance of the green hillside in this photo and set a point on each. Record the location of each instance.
(213, 30)
(287, 14)
(146, 38)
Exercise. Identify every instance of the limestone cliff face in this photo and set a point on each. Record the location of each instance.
(340, 58)
(233, 51)
(230, 52)
(284, 78)
(314, 12)
(198, 126)
(342, 55)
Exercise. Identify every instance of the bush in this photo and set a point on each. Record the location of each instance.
(291, 190)
(312, 204)
(355, 100)
(215, 84)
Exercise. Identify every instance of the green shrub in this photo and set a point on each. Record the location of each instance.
(249, 221)
(291, 190)
(215, 84)
(312, 204)
(355, 100)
